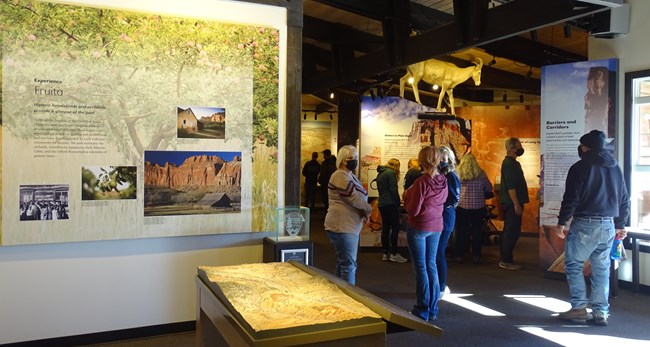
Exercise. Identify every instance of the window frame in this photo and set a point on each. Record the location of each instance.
(630, 165)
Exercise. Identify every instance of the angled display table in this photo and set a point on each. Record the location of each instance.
(250, 311)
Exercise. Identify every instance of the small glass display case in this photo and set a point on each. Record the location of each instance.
(292, 224)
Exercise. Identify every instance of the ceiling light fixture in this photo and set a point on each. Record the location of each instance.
(331, 117)
(435, 87)
(315, 116)
(331, 95)
(567, 30)
(381, 93)
(530, 72)
(304, 116)
(411, 80)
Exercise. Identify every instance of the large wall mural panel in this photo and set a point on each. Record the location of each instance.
(180, 111)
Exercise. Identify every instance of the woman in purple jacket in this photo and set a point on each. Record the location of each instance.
(424, 205)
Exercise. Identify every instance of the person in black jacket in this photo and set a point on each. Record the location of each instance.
(596, 197)
(311, 171)
(327, 168)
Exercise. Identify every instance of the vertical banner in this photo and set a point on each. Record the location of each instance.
(576, 98)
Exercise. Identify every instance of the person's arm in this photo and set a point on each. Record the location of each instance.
(350, 192)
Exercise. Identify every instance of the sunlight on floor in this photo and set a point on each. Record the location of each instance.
(581, 339)
(541, 301)
(457, 299)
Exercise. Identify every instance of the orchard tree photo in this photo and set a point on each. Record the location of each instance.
(128, 71)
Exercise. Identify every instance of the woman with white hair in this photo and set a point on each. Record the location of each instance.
(348, 210)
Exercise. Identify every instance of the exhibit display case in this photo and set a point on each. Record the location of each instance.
(291, 239)
(292, 304)
(292, 224)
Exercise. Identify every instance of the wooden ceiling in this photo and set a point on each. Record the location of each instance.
(354, 46)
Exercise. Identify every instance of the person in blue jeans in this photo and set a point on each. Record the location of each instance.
(423, 202)
(348, 210)
(447, 167)
(597, 199)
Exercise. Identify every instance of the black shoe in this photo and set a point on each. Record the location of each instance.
(476, 259)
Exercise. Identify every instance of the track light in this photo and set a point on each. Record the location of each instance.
(521, 98)
(373, 95)
(331, 95)
(533, 35)
(529, 73)
(381, 93)
(331, 117)
(315, 116)
(435, 87)
(304, 116)
(567, 30)
(504, 97)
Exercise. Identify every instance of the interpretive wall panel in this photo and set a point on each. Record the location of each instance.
(390, 128)
(576, 98)
(138, 119)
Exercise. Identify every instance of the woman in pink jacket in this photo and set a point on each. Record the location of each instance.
(424, 204)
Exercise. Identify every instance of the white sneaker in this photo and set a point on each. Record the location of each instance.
(447, 290)
(384, 257)
(397, 258)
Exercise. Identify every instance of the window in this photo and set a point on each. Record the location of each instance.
(637, 125)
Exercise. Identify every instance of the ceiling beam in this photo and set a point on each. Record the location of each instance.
(511, 19)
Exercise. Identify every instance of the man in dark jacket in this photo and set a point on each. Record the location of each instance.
(327, 168)
(513, 194)
(596, 197)
(311, 171)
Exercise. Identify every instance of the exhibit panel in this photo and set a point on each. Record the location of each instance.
(576, 98)
(140, 119)
(287, 304)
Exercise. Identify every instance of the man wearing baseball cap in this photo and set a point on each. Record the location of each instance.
(596, 197)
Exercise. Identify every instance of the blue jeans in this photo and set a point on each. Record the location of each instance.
(589, 240)
(345, 248)
(423, 246)
(448, 220)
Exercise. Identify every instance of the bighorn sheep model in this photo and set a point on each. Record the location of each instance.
(446, 75)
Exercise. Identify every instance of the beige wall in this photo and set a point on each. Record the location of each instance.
(633, 51)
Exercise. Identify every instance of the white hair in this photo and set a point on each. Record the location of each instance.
(344, 153)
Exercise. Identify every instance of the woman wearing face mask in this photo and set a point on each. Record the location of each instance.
(447, 167)
(348, 210)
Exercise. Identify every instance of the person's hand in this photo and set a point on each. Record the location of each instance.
(559, 231)
(621, 234)
(518, 210)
